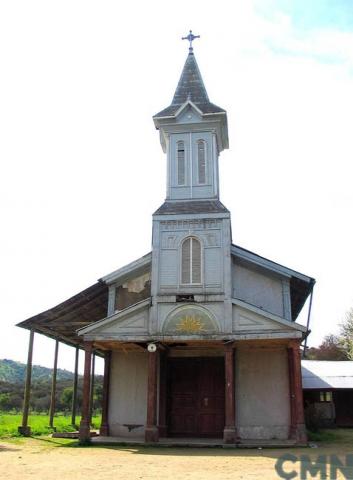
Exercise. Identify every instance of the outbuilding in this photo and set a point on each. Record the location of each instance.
(328, 392)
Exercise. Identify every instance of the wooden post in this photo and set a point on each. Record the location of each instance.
(91, 393)
(151, 430)
(74, 389)
(297, 428)
(53, 386)
(85, 428)
(229, 433)
(162, 421)
(25, 429)
(104, 430)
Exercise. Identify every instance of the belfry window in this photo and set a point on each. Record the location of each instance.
(201, 161)
(181, 163)
(191, 261)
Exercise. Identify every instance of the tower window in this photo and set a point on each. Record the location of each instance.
(201, 159)
(191, 261)
(181, 163)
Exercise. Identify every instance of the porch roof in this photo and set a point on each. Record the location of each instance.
(62, 321)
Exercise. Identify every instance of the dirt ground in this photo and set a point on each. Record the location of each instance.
(44, 458)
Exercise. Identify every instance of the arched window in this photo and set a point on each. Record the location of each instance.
(191, 261)
(181, 163)
(201, 161)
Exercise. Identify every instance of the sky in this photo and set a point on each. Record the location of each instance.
(82, 169)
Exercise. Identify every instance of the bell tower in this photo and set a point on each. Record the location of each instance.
(193, 132)
(191, 238)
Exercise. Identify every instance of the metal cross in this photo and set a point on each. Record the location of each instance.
(191, 37)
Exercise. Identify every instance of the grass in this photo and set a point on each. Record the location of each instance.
(337, 435)
(39, 424)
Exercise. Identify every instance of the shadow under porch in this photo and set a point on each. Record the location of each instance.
(189, 392)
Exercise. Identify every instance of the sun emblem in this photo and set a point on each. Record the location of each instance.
(190, 324)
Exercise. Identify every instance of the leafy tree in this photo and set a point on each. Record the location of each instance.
(5, 402)
(336, 347)
(66, 398)
(346, 334)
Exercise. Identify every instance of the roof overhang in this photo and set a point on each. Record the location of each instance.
(62, 321)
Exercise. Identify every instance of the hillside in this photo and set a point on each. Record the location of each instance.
(14, 372)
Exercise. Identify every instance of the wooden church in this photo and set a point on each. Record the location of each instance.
(199, 336)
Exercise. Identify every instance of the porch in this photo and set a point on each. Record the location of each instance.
(245, 393)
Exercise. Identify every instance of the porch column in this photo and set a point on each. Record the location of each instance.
(151, 430)
(84, 433)
(53, 386)
(229, 433)
(104, 430)
(91, 392)
(74, 390)
(162, 421)
(297, 426)
(25, 429)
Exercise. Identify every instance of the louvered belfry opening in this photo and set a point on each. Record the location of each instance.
(181, 162)
(191, 261)
(201, 157)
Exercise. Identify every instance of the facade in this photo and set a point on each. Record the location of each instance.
(199, 336)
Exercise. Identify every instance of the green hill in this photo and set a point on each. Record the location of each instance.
(14, 372)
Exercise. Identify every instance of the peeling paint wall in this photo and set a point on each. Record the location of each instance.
(128, 394)
(262, 393)
(133, 291)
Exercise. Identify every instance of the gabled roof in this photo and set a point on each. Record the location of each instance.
(300, 285)
(139, 266)
(322, 374)
(190, 88)
(117, 316)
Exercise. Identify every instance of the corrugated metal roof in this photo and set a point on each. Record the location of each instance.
(322, 374)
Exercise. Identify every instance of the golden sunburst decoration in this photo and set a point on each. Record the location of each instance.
(190, 324)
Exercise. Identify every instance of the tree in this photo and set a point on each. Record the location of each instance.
(66, 398)
(329, 349)
(346, 334)
(5, 402)
(336, 347)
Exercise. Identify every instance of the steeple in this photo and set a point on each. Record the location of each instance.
(193, 131)
(190, 88)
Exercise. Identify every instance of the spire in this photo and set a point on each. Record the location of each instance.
(190, 87)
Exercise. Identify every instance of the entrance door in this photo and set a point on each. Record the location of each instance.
(196, 397)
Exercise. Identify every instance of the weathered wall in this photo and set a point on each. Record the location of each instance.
(133, 291)
(210, 232)
(259, 289)
(128, 393)
(262, 393)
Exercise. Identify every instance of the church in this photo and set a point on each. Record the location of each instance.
(199, 336)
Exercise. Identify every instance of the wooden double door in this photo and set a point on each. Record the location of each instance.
(195, 396)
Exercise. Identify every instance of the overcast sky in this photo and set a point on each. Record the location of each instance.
(82, 169)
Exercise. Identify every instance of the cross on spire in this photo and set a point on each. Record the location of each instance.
(191, 37)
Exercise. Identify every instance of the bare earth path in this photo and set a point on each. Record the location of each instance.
(51, 459)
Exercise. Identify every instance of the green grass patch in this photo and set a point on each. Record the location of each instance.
(39, 424)
(336, 435)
